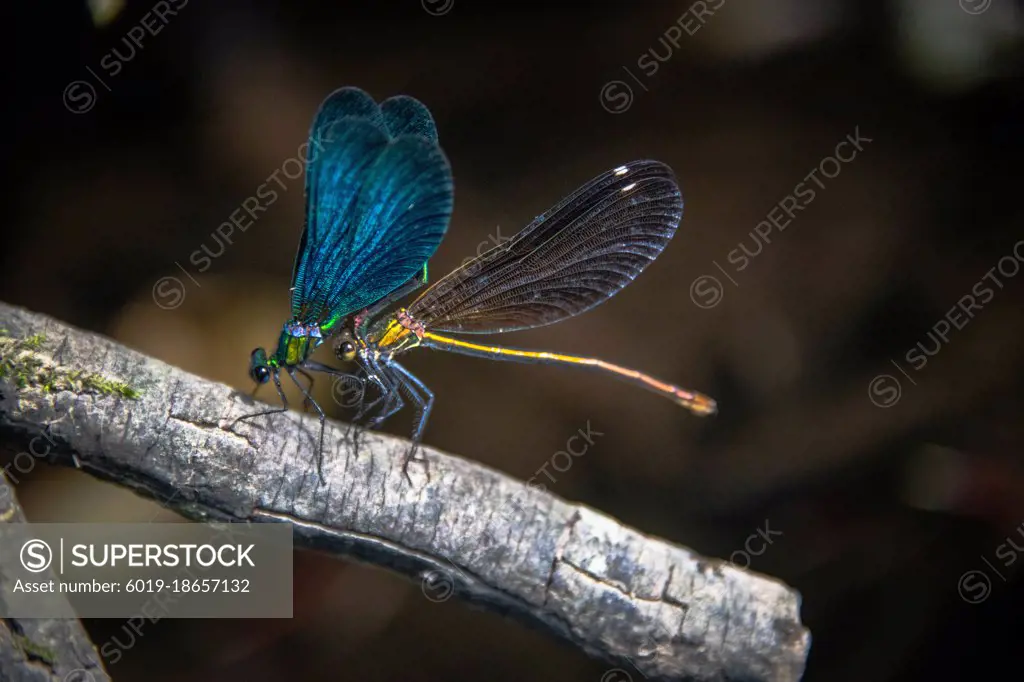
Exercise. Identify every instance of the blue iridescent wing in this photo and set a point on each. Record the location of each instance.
(404, 115)
(378, 201)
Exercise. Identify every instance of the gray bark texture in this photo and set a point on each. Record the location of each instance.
(462, 529)
(40, 649)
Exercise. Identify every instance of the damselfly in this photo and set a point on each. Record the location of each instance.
(378, 202)
(568, 260)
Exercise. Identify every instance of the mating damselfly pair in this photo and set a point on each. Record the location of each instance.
(379, 197)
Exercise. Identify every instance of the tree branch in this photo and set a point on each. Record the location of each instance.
(465, 529)
(40, 649)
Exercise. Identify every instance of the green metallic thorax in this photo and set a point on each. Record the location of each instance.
(293, 350)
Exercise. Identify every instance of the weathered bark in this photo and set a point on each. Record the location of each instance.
(40, 649)
(465, 529)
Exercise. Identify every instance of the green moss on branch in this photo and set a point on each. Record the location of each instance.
(24, 363)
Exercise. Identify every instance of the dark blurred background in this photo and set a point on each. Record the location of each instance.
(897, 486)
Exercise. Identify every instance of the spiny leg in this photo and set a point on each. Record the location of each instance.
(385, 392)
(305, 403)
(394, 403)
(280, 393)
(424, 400)
(360, 323)
(385, 383)
(320, 367)
(424, 405)
(374, 376)
(411, 452)
(323, 419)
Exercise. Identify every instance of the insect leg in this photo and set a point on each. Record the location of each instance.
(389, 393)
(348, 376)
(283, 408)
(345, 402)
(394, 402)
(323, 419)
(305, 403)
(424, 399)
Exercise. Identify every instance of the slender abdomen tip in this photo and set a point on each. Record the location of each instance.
(700, 404)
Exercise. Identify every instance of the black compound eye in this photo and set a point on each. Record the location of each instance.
(346, 350)
(261, 374)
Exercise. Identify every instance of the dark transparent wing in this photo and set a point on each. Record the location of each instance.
(378, 201)
(570, 259)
